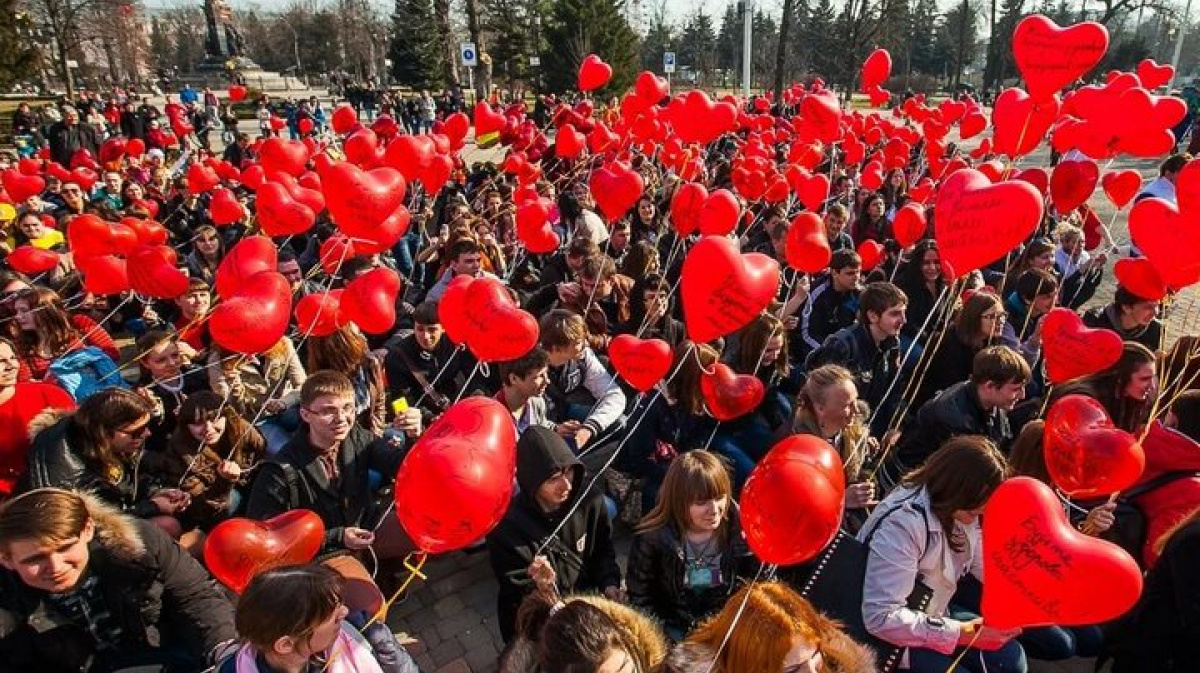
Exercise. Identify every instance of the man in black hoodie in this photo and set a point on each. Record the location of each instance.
(578, 554)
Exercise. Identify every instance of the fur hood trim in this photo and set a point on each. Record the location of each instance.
(696, 658)
(645, 633)
(44, 420)
(115, 531)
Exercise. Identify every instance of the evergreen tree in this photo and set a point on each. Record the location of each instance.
(659, 38)
(415, 49)
(923, 48)
(729, 40)
(999, 66)
(697, 45)
(578, 28)
(510, 27)
(18, 58)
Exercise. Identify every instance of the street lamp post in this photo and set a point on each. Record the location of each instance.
(1183, 26)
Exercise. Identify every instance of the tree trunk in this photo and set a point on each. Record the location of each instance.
(441, 9)
(785, 26)
(483, 73)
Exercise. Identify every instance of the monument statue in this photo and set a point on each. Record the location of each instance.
(223, 40)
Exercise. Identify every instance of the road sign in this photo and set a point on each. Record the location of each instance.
(668, 61)
(470, 57)
(535, 61)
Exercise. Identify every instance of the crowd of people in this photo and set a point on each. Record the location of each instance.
(128, 433)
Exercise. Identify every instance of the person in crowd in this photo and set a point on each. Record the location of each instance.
(1033, 295)
(980, 323)
(766, 626)
(978, 406)
(872, 223)
(167, 380)
(327, 466)
(688, 554)
(836, 220)
(601, 296)
(925, 536)
(1134, 318)
(425, 366)
(1081, 273)
(191, 310)
(586, 399)
(465, 259)
(832, 301)
(346, 351)
(556, 533)
(207, 252)
(69, 137)
(1169, 488)
(295, 618)
(88, 588)
(923, 282)
(264, 388)
(522, 385)
(650, 312)
(32, 229)
(48, 333)
(1126, 390)
(20, 403)
(576, 215)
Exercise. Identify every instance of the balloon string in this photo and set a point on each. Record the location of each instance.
(413, 566)
(954, 664)
(467, 383)
(737, 616)
(436, 377)
(1176, 390)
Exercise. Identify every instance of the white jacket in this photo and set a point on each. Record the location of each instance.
(901, 550)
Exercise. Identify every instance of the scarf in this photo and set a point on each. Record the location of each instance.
(350, 653)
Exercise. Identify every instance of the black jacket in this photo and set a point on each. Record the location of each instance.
(825, 312)
(159, 596)
(295, 479)
(956, 411)
(1150, 336)
(581, 553)
(55, 461)
(657, 573)
(873, 366)
(66, 140)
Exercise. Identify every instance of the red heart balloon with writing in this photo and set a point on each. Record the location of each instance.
(496, 328)
(238, 549)
(1086, 456)
(1050, 57)
(724, 289)
(641, 362)
(978, 222)
(1038, 570)
(1072, 350)
(728, 394)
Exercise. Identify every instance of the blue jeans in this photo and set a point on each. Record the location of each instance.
(1007, 659)
(1056, 643)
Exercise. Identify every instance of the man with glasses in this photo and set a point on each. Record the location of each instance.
(334, 467)
(74, 201)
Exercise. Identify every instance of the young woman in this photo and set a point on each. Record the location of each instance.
(646, 220)
(1080, 272)
(923, 282)
(688, 554)
(927, 532)
(167, 380)
(207, 252)
(293, 620)
(650, 312)
(20, 403)
(49, 332)
(894, 191)
(766, 627)
(872, 223)
(1126, 390)
(259, 386)
(828, 407)
(979, 324)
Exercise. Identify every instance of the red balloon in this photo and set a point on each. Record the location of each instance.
(103, 274)
(719, 214)
(370, 300)
(112, 150)
(256, 317)
(344, 118)
(1072, 184)
(452, 311)
(1121, 186)
(487, 120)
(729, 395)
(359, 201)
(686, 205)
(239, 549)
(89, 236)
(792, 502)
(225, 209)
(237, 93)
(148, 232)
(456, 127)
(1050, 57)
(1139, 276)
(152, 272)
(1038, 570)
(498, 329)
(1036, 176)
(641, 362)
(1154, 75)
(20, 186)
(136, 147)
(437, 174)
(593, 73)
(812, 190)
(410, 155)
(1019, 122)
(201, 179)
(456, 483)
(251, 256)
(278, 212)
(978, 222)
(973, 123)
(651, 88)
(1072, 350)
(909, 224)
(876, 69)
(723, 289)
(31, 260)
(319, 314)
(1169, 235)
(1085, 455)
(285, 156)
(305, 126)
(533, 227)
(806, 248)
(695, 118)
(569, 143)
(616, 188)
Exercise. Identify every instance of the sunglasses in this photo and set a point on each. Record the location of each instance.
(139, 431)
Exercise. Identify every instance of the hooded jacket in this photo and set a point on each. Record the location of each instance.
(158, 595)
(581, 552)
(1107, 317)
(644, 634)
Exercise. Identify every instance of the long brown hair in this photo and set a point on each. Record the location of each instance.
(342, 351)
(685, 387)
(754, 339)
(694, 476)
(1028, 457)
(52, 323)
(959, 476)
(1108, 388)
(206, 405)
(969, 322)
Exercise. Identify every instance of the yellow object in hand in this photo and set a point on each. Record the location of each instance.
(399, 405)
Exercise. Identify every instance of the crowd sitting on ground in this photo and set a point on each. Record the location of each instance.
(127, 433)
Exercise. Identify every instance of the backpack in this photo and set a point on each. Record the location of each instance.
(85, 371)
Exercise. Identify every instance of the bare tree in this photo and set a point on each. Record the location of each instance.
(70, 25)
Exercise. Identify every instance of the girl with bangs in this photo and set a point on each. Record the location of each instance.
(688, 553)
(770, 629)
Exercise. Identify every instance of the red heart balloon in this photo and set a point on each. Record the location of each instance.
(103, 274)
(812, 190)
(1139, 276)
(1154, 75)
(973, 123)
(641, 362)
(593, 73)
(651, 88)
(256, 318)
(1038, 570)
(978, 222)
(225, 209)
(1072, 350)
(1085, 455)
(496, 328)
(135, 147)
(569, 143)
(344, 118)
(533, 227)
(1036, 176)
(1121, 186)
(719, 214)
(1169, 236)
(723, 289)
(729, 395)
(791, 506)
(452, 312)
(201, 179)
(686, 205)
(806, 247)
(251, 256)
(280, 214)
(285, 156)
(1072, 184)
(112, 150)
(1019, 122)
(456, 127)
(237, 93)
(876, 69)
(487, 121)
(90, 236)
(20, 186)
(148, 232)
(1050, 57)
(239, 549)
(335, 251)
(31, 260)
(319, 314)
(360, 200)
(909, 224)
(435, 176)
(456, 483)
(370, 300)
(152, 272)
(410, 155)
(616, 188)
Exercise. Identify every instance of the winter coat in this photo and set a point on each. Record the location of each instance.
(956, 411)
(158, 595)
(581, 552)
(587, 373)
(657, 574)
(602, 324)
(645, 635)
(698, 658)
(1167, 451)
(824, 313)
(1105, 317)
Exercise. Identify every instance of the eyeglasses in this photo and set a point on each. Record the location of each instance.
(139, 431)
(994, 316)
(330, 414)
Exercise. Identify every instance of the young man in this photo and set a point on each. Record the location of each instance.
(87, 588)
(602, 291)
(523, 382)
(1134, 318)
(466, 259)
(832, 302)
(870, 349)
(586, 398)
(978, 406)
(424, 364)
(327, 466)
(1035, 294)
(578, 557)
(193, 307)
